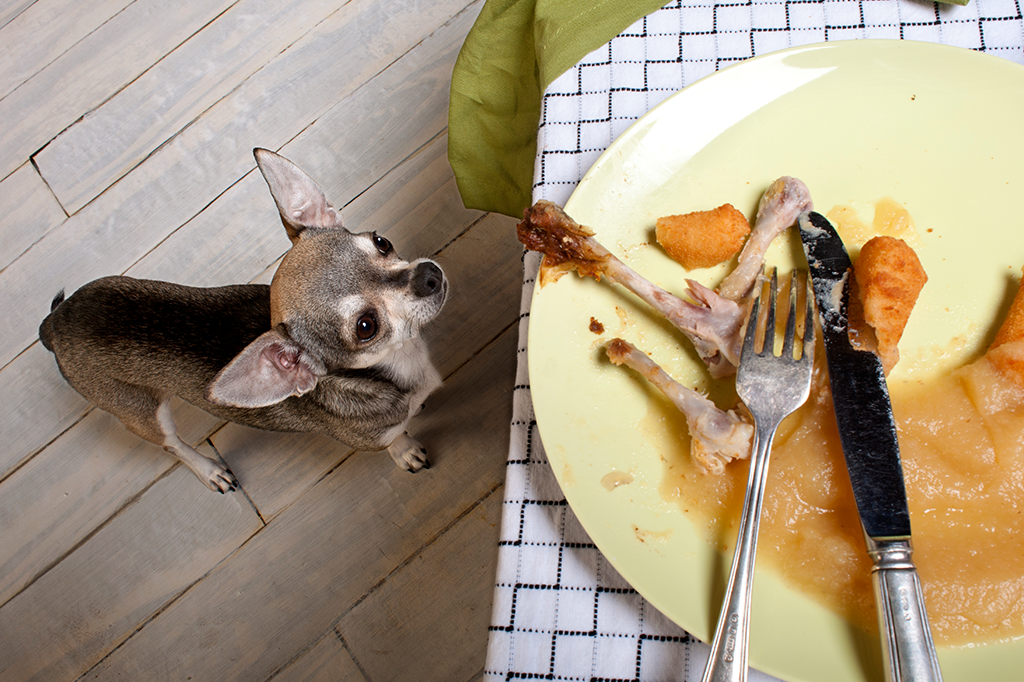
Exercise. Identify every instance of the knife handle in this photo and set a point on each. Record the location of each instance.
(908, 652)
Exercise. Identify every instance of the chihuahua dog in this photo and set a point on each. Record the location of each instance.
(331, 346)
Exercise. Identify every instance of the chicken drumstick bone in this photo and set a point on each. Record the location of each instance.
(714, 321)
(716, 436)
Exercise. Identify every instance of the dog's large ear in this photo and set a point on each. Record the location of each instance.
(266, 372)
(299, 199)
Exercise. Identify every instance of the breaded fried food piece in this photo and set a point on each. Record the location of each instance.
(1007, 350)
(1012, 328)
(889, 278)
(703, 238)
(1008, 359)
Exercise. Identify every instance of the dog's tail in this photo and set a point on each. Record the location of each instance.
(46, 328)
(57, 300)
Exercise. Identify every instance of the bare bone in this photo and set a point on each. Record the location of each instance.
(716, 436)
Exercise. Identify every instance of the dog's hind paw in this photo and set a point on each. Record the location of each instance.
(408, 454)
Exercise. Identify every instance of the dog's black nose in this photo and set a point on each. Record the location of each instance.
(427, 279)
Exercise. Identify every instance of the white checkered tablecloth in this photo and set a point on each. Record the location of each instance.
(561, 612)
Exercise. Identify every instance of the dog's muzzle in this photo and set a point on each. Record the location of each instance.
(427, 280)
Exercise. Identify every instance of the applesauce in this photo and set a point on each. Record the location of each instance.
(962, 446)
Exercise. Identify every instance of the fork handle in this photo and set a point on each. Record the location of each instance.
(728, 659)
(908, 653)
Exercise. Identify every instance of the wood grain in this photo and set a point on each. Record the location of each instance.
(36, 405)
(484, 267)
(410, 202)
(115, 561)
(96, 151)
(28, 210)
(391, 633)
(327, 661)
(187, 174)
(121, 577)
(297, 576)
(348, 150)
(239, 236)
(71, 488)
(44, 31)
(92, 70)
(12, 9)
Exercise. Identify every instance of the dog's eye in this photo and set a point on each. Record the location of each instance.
(383, 245)
(366, 327)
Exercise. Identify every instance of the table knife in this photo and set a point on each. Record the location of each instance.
(867, 432)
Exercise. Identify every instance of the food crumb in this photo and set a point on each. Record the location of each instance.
(614, 479)
(596, 326)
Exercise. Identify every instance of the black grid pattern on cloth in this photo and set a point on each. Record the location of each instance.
(567, 609)
(561, 611)
(590, 106)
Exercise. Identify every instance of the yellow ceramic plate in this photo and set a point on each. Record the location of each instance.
(940, 130)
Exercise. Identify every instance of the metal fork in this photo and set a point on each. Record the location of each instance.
(772, 387)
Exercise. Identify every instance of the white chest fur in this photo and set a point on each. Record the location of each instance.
(409, 364)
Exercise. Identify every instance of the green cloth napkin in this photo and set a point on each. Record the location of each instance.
(513, 52)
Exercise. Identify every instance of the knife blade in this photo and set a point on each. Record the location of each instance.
(867, 432)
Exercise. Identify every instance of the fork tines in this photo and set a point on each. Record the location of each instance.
(761, 331)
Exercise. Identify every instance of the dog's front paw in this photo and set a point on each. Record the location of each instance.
(408, 454)
(223, 481)
(215, 475)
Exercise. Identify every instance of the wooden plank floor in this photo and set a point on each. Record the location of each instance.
(126, 147)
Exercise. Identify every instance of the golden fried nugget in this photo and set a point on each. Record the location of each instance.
(1007, 350)
(1008, 359)
(703, 238)
(889, 279)
(1012, 328)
